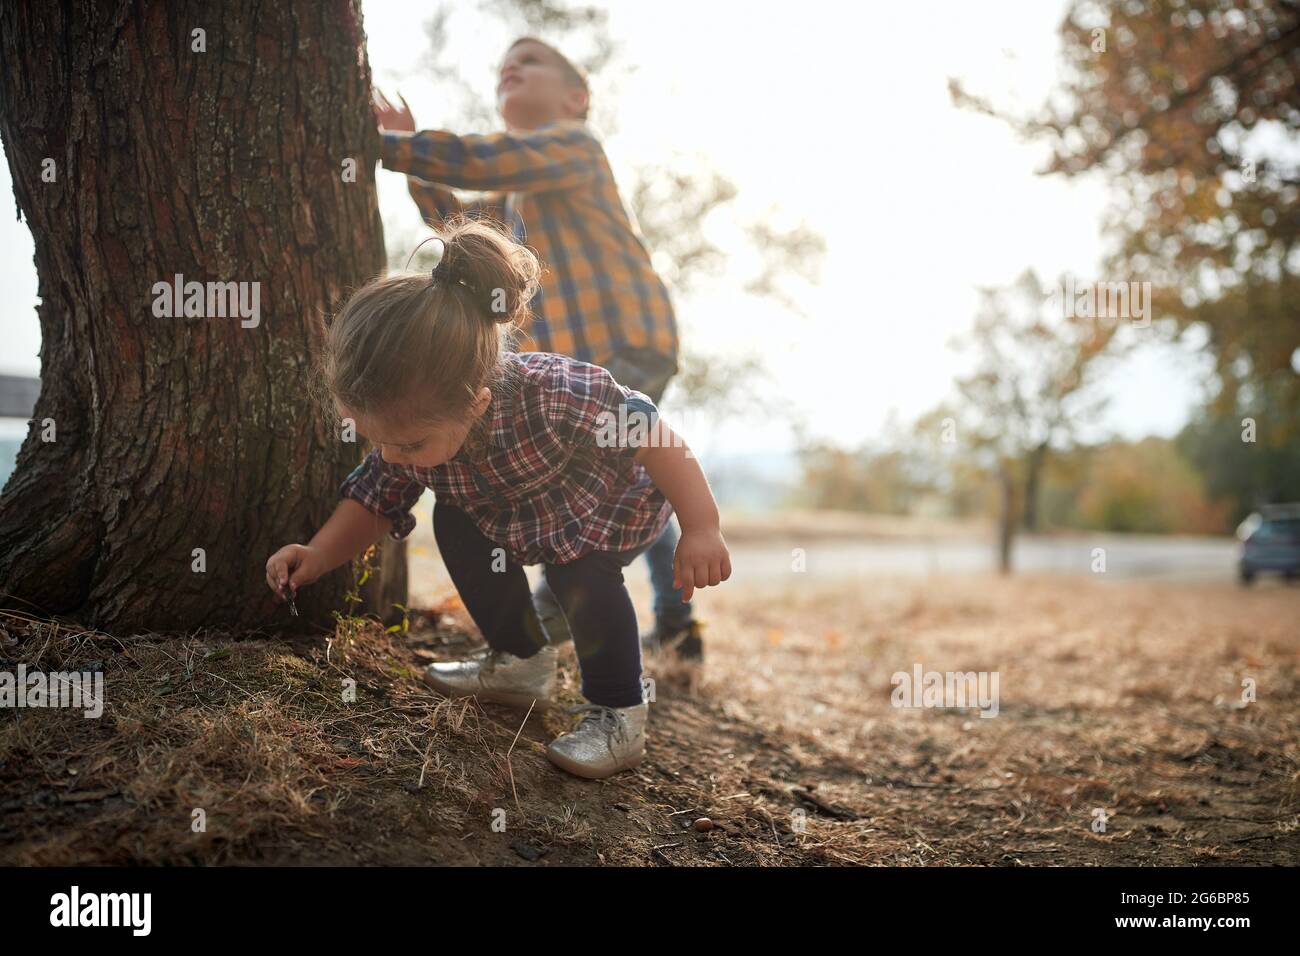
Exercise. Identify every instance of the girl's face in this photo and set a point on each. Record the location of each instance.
(417, 444)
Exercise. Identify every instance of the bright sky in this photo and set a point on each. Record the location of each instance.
(836, 116)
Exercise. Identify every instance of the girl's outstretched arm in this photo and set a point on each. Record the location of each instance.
(348, 532)
(702, 559)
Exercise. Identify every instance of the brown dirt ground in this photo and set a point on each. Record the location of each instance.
(1116, 696)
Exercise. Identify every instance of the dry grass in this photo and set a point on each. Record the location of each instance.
(255, 733)
(1112, 696)
(1120, 697)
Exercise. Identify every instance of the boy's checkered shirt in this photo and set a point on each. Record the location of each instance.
(599, 292)
(549, 485)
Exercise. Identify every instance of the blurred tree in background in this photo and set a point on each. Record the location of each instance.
(1029, 390)
(1190, 109)
(896, 475)
(1028, 393)
(1243, 475)
(1145, 487)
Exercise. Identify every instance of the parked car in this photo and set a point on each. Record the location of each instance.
(1270, 541)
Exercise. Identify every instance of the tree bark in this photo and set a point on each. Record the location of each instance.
(182, 437)
(1033, 476)
(1006, 518)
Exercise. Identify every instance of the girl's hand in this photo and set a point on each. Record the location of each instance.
(294, 566)
(702, 560)
(390, 117)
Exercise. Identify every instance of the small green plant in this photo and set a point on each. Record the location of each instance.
(405, 626)
(347, 624)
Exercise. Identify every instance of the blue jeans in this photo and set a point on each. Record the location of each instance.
(646, 371)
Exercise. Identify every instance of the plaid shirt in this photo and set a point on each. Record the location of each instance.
(599, 293)
(556, 480)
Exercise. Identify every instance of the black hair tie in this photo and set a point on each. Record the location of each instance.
(443, 271)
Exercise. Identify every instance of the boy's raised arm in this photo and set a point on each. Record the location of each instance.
(438, 203)
(556, 156)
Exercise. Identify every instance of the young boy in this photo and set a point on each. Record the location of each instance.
(546, 177)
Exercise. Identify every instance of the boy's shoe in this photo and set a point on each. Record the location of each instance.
(686, 642)
(499, 677)
(607, 740)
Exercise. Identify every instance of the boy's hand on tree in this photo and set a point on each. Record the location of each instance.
(293, 566)
(702, 560)
(390, 117)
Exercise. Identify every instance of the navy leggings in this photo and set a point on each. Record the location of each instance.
(590, 590)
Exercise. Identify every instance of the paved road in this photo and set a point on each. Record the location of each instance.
(1125, 557)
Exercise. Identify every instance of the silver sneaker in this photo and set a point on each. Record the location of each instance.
(607, 740)
(499, 677)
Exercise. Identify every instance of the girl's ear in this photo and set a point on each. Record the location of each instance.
(481, 402)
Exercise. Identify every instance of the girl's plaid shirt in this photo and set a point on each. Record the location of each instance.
(556, 478)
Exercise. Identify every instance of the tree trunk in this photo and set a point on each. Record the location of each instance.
(1033, 475)
(186, 450)
(1006, 518)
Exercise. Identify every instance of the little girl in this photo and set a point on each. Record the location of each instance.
(534, 458)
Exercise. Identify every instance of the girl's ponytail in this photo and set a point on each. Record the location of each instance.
(421, 345)
(499, 275)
